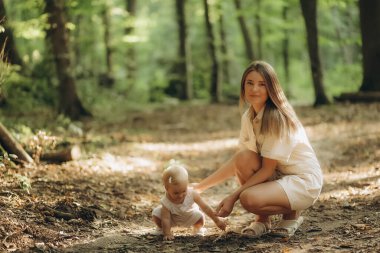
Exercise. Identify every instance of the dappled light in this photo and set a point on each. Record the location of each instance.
(111, 163)
(206, 146)
(99, 98)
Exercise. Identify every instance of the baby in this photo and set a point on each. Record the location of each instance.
(180, 205)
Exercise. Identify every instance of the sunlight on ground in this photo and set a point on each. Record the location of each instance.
(205, 146)
(337, 130)
(112, 163)
(362, 185)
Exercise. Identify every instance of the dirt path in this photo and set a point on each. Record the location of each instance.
(120, 184)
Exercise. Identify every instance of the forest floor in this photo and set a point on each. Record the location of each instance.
(103, 201)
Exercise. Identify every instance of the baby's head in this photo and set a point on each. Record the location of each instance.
(176, 179)
(175, 174)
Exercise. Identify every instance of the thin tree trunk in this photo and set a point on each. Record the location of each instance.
(70, 104)
(223, 47)
(309, 11)
(215, 88)
(285, 51)
(370, 32)
(107, 80)
(245, 32)
(259, 30)
(10, 51)
(185, 87)
(131, 53)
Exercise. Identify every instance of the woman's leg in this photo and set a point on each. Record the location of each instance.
(248, 163)
(243, 164)
(268, 198)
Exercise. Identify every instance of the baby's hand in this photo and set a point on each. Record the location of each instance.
(168, 237)
(221, 223)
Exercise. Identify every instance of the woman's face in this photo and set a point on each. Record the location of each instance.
(256, 93)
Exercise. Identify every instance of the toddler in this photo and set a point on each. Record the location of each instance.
(180, 205)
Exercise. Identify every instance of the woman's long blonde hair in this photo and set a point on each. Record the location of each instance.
(279, 117)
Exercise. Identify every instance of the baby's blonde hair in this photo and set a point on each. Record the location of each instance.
(175, 173)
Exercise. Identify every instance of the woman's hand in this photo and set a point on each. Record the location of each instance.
(225, 207)
(220, 223)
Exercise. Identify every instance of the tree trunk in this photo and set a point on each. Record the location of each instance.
(285, 51)
(259, 30)
(185, 87)
(370, 33)
(215, 88)
(10, 51)
(309, 11)
(244, 29)
(107, 79)
(12, 146)
(131, 53)
(223, 47)
(70, 104)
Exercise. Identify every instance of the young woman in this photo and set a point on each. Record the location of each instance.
(276, 166)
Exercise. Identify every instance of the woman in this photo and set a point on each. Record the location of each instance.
(276, 166)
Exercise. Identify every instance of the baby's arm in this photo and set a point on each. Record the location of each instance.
(166, 223)
(208, 210)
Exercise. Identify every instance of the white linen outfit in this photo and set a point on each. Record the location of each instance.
(298, 170)
(185, 214)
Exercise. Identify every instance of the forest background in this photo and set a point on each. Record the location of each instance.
(107, 75)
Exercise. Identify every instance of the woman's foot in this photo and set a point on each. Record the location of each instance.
(256, 229)
(287, 228)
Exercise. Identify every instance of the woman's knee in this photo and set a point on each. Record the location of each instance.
(247, 160)
(250, 201)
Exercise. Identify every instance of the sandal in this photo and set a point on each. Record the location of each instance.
(287, 228)
(255, 229)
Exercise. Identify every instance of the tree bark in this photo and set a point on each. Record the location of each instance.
(285, 51)
(259, 30)
(309, 11)
(107, 80)
(10, 51)
(370, 33)
(70, 104)
(12, 146)
(68, 154)
(131, 53)
(215, 89)
(223, 48)
(185, 87)
(245, 32)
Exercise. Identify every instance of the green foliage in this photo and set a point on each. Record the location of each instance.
(24, 182)
(6, 169)
(154, 41)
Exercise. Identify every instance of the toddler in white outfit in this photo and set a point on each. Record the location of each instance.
(180, 205)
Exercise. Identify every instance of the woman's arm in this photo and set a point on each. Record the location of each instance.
(266, 171)
(208, 210)
(166, 223)
(226, 171)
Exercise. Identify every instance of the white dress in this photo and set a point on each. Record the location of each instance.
(185, 214)
(298, 170)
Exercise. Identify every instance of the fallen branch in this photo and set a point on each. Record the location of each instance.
(68, 154)
(12, 146)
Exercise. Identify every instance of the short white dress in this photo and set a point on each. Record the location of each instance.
(185, 214)
(298, 170)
